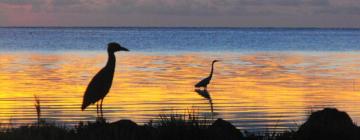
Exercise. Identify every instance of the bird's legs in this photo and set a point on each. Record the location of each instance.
(101, 111)
(97, 109)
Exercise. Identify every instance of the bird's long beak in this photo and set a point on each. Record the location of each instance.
(123, 49)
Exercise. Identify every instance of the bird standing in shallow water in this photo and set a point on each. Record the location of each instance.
(100, 85)
(206, 81)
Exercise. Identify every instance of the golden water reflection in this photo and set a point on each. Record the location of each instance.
(255, 90)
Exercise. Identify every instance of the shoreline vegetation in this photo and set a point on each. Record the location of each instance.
(326, 124)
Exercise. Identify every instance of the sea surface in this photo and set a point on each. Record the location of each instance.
(267, 79)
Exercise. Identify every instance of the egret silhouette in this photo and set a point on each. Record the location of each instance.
(204, 82)
(205, 94)
(100, 85)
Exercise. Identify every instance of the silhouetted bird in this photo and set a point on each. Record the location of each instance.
(100, 85)
(206, 95)
(206, 81)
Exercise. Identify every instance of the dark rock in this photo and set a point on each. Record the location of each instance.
(124, 129)
(222, 129)
(124, 124)
(129, 130)
(328, 124)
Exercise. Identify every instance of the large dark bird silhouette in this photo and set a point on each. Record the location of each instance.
(206, 81)
(100, 85)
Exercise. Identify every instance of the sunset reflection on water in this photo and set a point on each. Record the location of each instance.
(254, 90)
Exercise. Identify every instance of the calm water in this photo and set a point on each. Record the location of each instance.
(268, 78)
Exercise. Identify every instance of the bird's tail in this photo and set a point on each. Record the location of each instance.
(84, 105)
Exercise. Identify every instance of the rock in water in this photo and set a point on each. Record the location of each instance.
(328, 124)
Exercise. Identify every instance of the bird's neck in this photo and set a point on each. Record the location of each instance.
(212, 70)
(111, 60)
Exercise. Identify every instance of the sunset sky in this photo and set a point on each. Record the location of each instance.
(235, 13)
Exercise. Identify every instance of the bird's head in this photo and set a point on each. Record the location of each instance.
(114, 47)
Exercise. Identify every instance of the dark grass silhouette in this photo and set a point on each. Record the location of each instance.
(166, 127)
(38, 108)
(182, 126)
(38, 131)
(100, 85)
(122, 129)
(327, 124)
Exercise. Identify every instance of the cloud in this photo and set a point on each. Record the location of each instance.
(343, 10)
(146, 7)
(2, 16)
(277, 3)
(318, 3)
(270, 2)
(168, 7)
(193, 12)
(21, 2)
(183, 7)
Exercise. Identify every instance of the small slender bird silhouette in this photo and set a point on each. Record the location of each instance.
(204, 82)
(100, 85)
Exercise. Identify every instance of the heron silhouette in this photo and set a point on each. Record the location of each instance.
(204, 82)
(100, 85)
